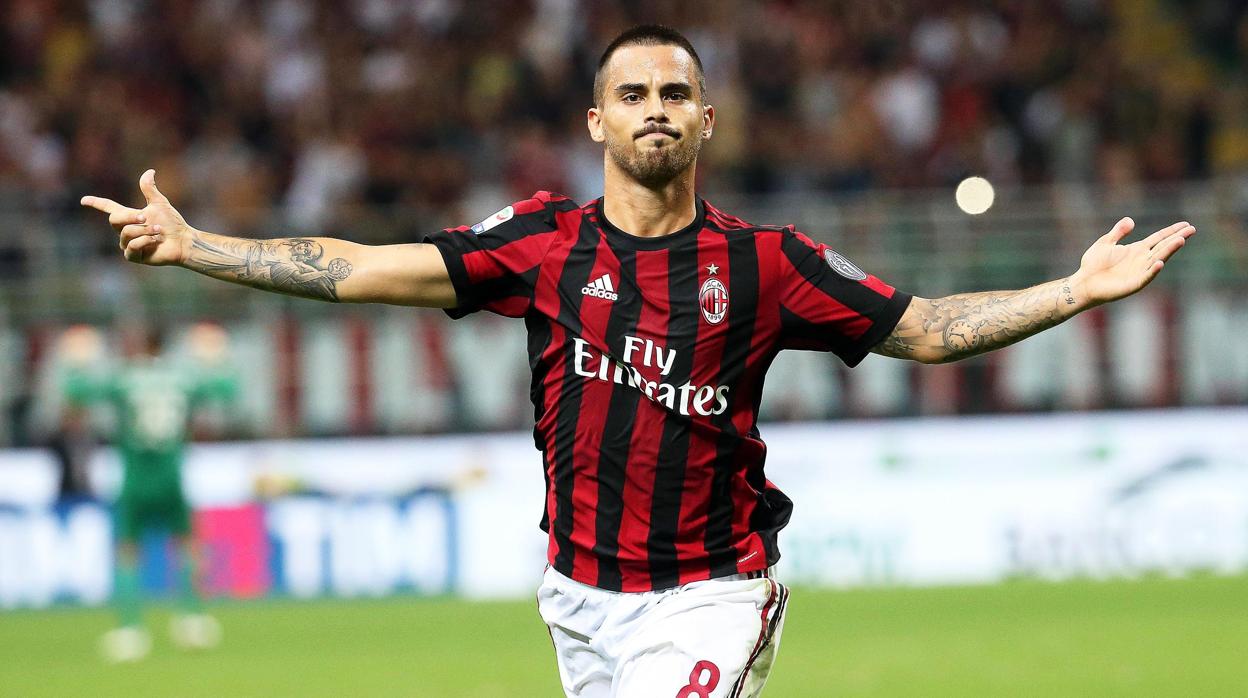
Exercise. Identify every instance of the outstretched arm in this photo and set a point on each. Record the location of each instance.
(322, 268)
(940, 330)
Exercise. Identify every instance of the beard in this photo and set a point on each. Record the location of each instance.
(654, 167)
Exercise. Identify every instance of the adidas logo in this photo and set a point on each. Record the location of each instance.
(601, 288)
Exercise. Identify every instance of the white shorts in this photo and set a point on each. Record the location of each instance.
(712, 639)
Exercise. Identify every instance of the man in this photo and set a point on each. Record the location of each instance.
(74, 441)
(153, 399)
(652, 318)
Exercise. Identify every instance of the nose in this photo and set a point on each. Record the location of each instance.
(656, 110)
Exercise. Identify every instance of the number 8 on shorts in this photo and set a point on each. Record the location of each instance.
(702, 680)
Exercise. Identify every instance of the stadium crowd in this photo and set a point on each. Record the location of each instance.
(337, 112)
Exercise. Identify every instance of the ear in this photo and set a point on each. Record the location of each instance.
(708, 121)
(593, 119)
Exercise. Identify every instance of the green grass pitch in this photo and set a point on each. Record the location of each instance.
(1156, 637)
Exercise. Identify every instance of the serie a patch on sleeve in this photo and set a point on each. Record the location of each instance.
(843, 266)
(498, 218)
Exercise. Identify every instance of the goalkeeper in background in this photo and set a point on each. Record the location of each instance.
(152, 398)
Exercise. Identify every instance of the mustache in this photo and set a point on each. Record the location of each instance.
(657, 128)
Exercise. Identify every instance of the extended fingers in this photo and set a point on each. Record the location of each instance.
(100, 203)
(1152, 240)
(119, 216)
(1170, 245)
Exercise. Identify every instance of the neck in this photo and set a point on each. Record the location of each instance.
(647, 211)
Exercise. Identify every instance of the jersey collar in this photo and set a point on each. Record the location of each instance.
(628, 240)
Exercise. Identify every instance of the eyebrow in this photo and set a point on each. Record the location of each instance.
(666, 87)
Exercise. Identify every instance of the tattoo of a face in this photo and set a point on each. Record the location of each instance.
(292, 266)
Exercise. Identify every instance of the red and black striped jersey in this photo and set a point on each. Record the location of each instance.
(648, 359)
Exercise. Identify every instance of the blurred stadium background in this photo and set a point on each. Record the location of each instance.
(1111, 448)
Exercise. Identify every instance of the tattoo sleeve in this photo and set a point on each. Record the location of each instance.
(955, 327)
(292, 266)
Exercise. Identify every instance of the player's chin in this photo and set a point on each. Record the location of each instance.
(659, 150)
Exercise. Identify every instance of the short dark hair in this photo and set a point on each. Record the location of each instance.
(647, 35)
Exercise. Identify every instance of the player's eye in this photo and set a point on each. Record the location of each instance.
(677, 96)
(632, 97)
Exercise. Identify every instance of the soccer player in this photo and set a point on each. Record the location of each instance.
(153, 399)
(652, 317)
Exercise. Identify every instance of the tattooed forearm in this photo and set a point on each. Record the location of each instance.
(293, 266)
(946, 329)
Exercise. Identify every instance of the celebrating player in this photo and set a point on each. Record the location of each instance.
(153, 399)
(652, 319)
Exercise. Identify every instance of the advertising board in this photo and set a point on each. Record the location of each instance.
(896, 502)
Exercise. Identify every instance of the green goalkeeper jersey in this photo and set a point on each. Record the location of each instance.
(153, 401)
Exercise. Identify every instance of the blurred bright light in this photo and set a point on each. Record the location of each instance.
(974, 195)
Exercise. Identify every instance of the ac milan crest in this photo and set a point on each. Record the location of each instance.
(714, 300)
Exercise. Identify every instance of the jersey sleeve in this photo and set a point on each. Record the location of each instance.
(829, 304)
(494, 264)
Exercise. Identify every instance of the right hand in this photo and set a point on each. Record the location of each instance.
(155, 234)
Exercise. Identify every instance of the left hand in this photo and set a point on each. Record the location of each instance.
(1109, 271)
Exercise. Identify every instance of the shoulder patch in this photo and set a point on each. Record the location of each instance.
(843, 266)
(498, 218)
